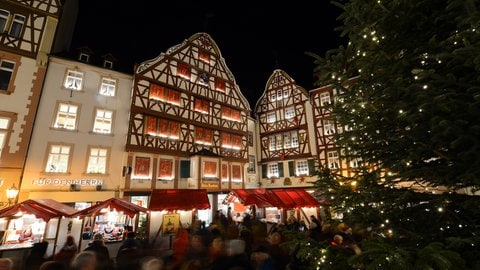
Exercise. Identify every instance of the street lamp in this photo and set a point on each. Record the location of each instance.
(12, 194)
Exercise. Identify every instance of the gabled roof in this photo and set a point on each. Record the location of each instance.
(118, 204)
(41, 208)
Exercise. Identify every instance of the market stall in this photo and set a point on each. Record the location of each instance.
(172, 209)
(34, 221)
(112, 218)
(276, 205)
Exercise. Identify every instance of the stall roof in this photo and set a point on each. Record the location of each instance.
(280, 198)
(178, 199)
(118, 204)
(41, 208)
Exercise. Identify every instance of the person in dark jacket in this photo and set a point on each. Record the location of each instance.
(101, 251)
(129, 253)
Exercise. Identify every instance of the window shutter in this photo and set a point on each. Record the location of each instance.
(264, 170)
(280, 169)
(184, 168)
(291, 168)
(311, 167)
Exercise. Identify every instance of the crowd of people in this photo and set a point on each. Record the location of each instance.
(227, 243)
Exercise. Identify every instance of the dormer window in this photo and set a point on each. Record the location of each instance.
(84, 57)
(108, 64)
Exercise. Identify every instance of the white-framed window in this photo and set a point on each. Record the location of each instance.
(329, 127)
(333, 160)
(272, 143)
(325, 98)
(289, 112)
(272, 170)
(302, 167)
(271, 117)
(4, 14)
(4, 131)
(103, 121)
(108, 64)
(108, 86)
(273, 96)
(279, 94)
(17, 25)
(66, 116)
(6, 71)
(97, 160)
(294, 136)
(285, 93)
(58, 158)
(355, 163)
(84, 57)
(279, 141)
(73, 80)
(286, 140)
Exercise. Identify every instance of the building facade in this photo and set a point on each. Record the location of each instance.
(27, 35)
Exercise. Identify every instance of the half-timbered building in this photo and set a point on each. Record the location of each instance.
(286, 149)
(188, 122)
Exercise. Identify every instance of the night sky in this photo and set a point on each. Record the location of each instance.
(254, 37)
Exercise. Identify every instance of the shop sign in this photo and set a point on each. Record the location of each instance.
(66, 182)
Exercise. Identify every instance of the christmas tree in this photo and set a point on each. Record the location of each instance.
(408, 101)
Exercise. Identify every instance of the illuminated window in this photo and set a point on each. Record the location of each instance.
(203, 136)
(271, 117)
(158, 92)
(165, 169)
(273, 170)
(183, 70)
(108, 87)
(66, 116)
(73, 80)
(252, 165)
(103, 121)
(294, 139)
(162, 128)
(202, 105)
(6, 71)
(355, 163)
(58, 158)
(333, 160)
(4, 132)
(219, 84)
(17, 25)
(287, 140)
(231, 114)
(325, 99)
(272, 143)
(231, 141)
(273, 96)
(302, 167)
(204, 55)
(289, 112)
(285, 93)
(279, 139)
(329, 127)
(97, 160)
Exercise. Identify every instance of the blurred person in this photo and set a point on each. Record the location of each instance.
(26, 235)
(85, 260)
(53, 265)
(129, 253)
(100, 249)
(152, 263)
(6, 264)
(67, 252)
